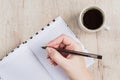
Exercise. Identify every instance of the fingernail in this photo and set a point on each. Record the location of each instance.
(49, 50)
(47, 57)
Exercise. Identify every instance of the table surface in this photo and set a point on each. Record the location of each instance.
(19, 19)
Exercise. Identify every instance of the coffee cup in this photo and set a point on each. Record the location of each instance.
(92, 19)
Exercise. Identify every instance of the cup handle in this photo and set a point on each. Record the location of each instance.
(107, 28)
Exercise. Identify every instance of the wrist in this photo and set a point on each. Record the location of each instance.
(84, 75)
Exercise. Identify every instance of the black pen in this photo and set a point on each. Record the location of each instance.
(96, 56)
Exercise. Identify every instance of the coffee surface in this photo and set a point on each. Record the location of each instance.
(93, 19)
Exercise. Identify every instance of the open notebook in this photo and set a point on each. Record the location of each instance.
(28, 60)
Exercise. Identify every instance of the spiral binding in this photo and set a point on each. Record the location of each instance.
(26, 41)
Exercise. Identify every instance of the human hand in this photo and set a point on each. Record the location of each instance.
(73, 65)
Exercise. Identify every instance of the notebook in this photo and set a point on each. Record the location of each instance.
(28, 60)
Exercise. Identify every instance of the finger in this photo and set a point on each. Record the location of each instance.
(48, 56)
(61, 46)
(53, 63)
(56, 56)
(66, 40)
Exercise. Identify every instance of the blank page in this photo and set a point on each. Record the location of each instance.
(28, 62)
(22, 65)
(43, 37)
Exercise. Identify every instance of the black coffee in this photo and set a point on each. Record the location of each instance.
(93, 19)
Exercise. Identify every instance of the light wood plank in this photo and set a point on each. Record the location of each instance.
(19, 19)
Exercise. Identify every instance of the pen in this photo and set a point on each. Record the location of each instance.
(96, 56)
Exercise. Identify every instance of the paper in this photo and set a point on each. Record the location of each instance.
(49, 33)
(28, 62)
(22, 65)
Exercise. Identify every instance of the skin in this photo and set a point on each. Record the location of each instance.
(73, 65)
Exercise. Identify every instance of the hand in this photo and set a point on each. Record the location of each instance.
(73, 65)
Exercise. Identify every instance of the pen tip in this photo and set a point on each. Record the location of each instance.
(44, 47)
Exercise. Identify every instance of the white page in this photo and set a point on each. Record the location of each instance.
(22, 65)
(49, 33)
(17, 65)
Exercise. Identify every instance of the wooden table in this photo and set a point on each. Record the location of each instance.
(19, 19)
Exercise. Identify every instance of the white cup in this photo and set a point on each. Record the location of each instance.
(84, 28)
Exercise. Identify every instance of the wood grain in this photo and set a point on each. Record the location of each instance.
(19, 19)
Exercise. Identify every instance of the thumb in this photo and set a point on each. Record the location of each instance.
(56, 56)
